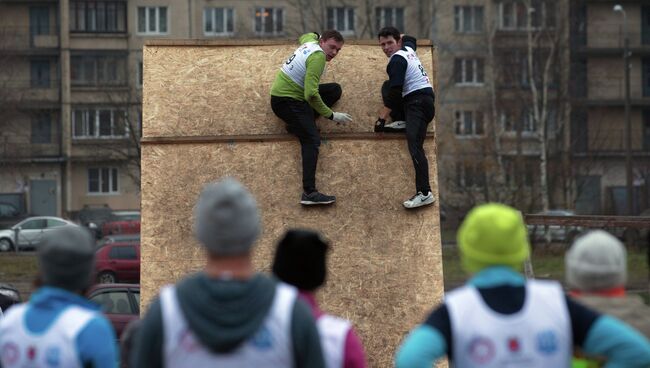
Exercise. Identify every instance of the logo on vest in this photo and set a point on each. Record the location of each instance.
(31, 352)
(547, 342)
(514, 346)
(53, 356)
(10, 353)
(263, 340)
(481, 350)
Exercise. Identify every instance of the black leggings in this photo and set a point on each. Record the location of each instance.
(301, 122)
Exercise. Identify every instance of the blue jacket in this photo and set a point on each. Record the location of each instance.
(598, 335)
(96, 343)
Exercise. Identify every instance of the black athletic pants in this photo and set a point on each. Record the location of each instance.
(419, 111)
(301, 122)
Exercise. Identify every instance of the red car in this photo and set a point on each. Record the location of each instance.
(118, 262)
(122, 222)
(120, 303)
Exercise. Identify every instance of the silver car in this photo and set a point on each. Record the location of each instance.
(30, 232)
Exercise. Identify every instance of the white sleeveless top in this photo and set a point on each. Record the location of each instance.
(333, 332)
(538, 336)
(56, 347)
(295, 67)
(271, 345)
(416, 77)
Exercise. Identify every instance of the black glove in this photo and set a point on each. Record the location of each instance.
(379, 125)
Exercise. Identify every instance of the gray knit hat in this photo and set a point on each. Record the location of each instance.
(226, 219)
(596, 261)
(67, 258)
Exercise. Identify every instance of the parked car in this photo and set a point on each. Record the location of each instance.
(120, 303)
(30, 232)
(120, 238)
(556, 233)
(10, 214)
(118, 262)
(93, 217)
(9, 296)
(122, 222)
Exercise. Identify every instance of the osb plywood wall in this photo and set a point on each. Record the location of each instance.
(385, 268)
(224, 90)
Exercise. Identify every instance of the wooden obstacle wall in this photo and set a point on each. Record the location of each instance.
(207, 114)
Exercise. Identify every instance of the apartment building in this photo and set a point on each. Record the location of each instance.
(598, 139)
(71, 82)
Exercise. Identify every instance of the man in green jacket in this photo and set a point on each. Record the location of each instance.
(297, 99)
(227, 315)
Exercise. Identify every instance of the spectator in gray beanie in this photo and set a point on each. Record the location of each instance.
(57, 315)
(596, 273)
(228, 314)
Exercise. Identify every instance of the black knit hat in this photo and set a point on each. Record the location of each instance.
(300, 259)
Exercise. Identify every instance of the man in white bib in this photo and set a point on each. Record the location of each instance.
(58, 327)
(500, 319)
(297, 98)
(228, 315)
(300, 260)
(408, 95)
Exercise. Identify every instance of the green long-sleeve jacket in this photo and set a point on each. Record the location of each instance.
(283, 86)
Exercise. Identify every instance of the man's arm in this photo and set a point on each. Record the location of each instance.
(307, 351)
(96, 344)
(622, 345)
(315, 65)
(410, 42)
(148, 340)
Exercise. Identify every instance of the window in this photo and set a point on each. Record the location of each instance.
(54, 223)
(98, 16)
(470, 175)
(514, 69)
(269, 21)
(152, 20)
(34, 224)
(123, 252)
(102, 180)
(526, 173)
(114, 302)
(468, 19)
(645, 25)
(646, 130)
(341, 19)
(646, 77)
(40, 73)
(98, 70)
(469, 124)
(39, 20)
(513, 14)
(468, 71)
(510, 122)
(218, 21)
(41, 128)
(99, 123)
(386, 16)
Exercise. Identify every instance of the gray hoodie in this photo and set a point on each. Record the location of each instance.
(223, 314)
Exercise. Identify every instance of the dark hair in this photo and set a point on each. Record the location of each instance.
(389, 31)
(332, 33)
(300, 259)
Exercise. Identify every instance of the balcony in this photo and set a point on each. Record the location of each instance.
(26, 40)
(29, 152)
(29, 92)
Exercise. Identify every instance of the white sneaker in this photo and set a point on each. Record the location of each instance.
(399, 124)
(419, 200)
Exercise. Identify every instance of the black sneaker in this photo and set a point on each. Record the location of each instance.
(316, 198)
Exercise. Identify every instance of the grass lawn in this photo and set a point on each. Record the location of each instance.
(548, 264)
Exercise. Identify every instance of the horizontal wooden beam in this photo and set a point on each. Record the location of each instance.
(636, 222)
(254, 42)
(271, 138)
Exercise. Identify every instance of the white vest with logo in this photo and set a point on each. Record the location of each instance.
(537, 336)
(416, 77)
(333, 332)
(56, 347)
(270, 346)
(295, 67)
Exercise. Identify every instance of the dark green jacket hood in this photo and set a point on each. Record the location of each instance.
(224, 313)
